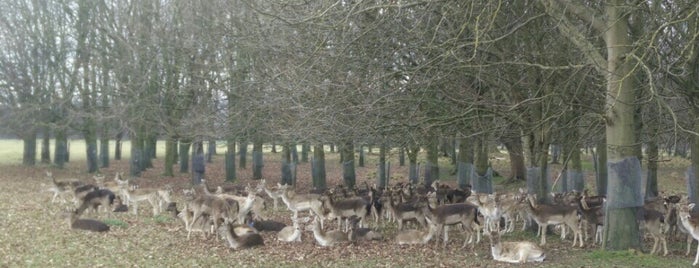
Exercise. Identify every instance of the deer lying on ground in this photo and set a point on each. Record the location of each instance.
(74, 222)
(356, 233)
(514, 252)
(327, 238)
(554, 214)
(690, 223)
(302, 202)
(654, 224)
(410, 237)
(451, 214)
(291, 233)
(244, 241)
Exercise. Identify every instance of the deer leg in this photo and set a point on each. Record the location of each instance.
(542, 229)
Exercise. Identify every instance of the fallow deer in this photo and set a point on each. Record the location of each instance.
(554, 214)
(410, 237)
(514, 252)
(691, 224)
(327, 238)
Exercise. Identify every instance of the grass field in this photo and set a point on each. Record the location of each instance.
(32, 234)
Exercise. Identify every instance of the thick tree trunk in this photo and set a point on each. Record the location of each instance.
(46, 146)
(243, 151)
(90, 135)
(117, 145)
(361, 156)
(652, 160)
(381, 174)
(257, 160)
(318, 167)
(149, 149)
(515, 150)
(413, 168)
(170, 149)
(104, 149)
(137, 155)
(349, 174)
(464, 163)
(624, 198)
(61, 150)
(601, 166)
(230, 161)
(305, 147)
(286, 165)
(432, 164)
(692, 180)
(482, 181)
(185, 145)
(29, 154)
(211, 150)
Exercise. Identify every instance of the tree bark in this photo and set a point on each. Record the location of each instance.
(318, 167)
(432, 164)
(257, 159)
(29, 155)
(621, 227)
(230, 160)
(349, 174)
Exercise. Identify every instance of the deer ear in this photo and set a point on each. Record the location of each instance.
(691, 206)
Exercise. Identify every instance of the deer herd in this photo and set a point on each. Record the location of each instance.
(340, 215)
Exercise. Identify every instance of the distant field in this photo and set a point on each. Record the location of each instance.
(11, 150)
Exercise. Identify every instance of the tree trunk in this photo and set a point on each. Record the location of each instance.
(257, 160)
(318, 167)
(61, 150)
(170, 149)
(401, 157)
(211, 150)
(29, 155)
(515, 150)
(413, 168)
(621, 225)
(46, 146)
(286, 165)
(361, 156)
(230, 161)
(90, 136)
(185, 145)
(243, 151)
(137, 155)
(482, 181)
(464, 163)
(104, 149)
(304, 152)
(601, 166)
(117, 145)
(432, 164)
(652, 160)
(692, 181)
(349, 174)
(381, 176)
